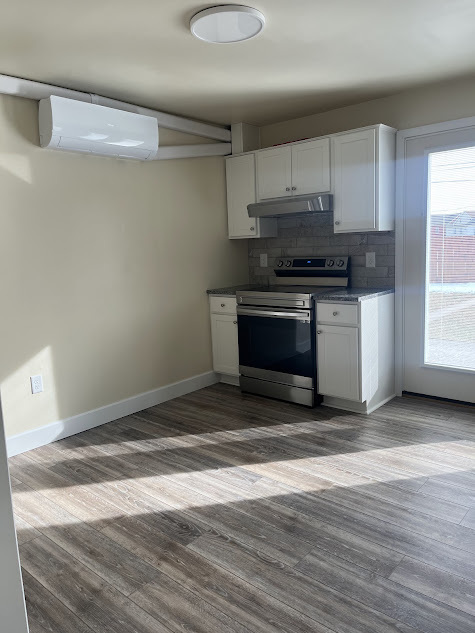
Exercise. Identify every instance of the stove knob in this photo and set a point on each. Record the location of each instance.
(280, 263)
(340, 263)
(330, 263)
(288, 263)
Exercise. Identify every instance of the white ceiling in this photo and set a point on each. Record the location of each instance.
(311, 57)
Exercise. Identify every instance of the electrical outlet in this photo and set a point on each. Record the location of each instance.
(263, 260)
(370, 260)
(36, 383)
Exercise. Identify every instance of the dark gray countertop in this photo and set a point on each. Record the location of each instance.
(353, 295)
(231, 291)
(350, 295)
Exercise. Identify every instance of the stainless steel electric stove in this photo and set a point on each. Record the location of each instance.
(276, 328)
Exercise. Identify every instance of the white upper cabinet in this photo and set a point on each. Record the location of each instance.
(274, 172)
(363, 172)
(357, 167)
(354, 177)
(241, 191)
(311, 167)
(294, 170)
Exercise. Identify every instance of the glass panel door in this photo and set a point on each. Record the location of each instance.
(450, 262)
(436, 249)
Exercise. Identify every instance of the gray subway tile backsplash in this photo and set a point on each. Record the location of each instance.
(379, 249)
(360, 271)
(313, 236)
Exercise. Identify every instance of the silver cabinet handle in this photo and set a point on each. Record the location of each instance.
(337, 221)
(253, 228)
(336, 313)
(287, 188)
(223, 305)
(294, 188)
(319, 331)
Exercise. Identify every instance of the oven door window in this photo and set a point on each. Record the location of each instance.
(277, 344)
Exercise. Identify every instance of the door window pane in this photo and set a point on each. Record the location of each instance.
(450, 270)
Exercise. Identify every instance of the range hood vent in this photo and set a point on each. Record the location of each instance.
(294, 205)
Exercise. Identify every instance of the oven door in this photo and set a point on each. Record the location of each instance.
(277, 344)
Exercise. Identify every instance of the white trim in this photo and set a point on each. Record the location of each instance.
(400, 220)
(229, 379)
(401, 138)
(376, 126)
(354, 407)
(76, 424)
(436, 128)
(12, 599)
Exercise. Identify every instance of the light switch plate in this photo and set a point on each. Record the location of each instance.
(370, 260)
(263, 260)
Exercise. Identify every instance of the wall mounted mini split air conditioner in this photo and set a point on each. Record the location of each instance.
(78, 126)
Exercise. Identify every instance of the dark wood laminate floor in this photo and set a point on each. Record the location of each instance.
(220, 513)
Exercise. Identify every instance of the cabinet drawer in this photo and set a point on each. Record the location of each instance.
(337, 313)
(223, 305)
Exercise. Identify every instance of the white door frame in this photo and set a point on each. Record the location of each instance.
(401, 139)
(12, 598)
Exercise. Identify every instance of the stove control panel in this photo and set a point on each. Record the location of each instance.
(315, 264)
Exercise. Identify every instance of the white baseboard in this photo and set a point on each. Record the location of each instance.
(70, 426)
(229, 379)
(354, 407)
(381, 402)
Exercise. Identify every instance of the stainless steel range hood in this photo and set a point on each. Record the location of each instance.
(293, 205)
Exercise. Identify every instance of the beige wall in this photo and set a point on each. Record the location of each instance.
(432, 104)
(90, 296)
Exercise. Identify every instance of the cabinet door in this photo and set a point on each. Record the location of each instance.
(338, 362)
(241, 189)
(311, 167)
(274, 173)
(225, 344)
(354, 181)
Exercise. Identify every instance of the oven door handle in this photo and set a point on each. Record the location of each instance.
(303, 316)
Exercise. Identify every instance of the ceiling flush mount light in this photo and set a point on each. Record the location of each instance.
(227, 23)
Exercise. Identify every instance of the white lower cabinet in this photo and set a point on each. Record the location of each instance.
(355, 353)
(224, 336)
(225, 344)
(338, 361)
